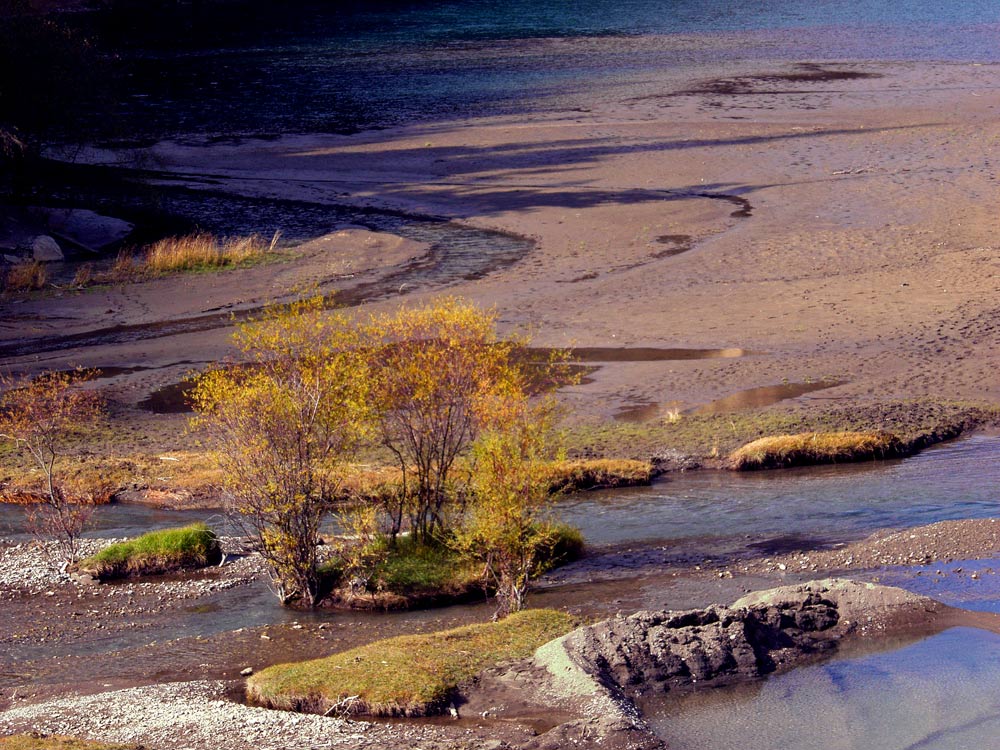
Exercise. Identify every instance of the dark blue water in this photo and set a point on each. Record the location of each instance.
(322, 68)
(940, 693)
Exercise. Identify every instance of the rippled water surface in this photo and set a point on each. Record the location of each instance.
(958, 480)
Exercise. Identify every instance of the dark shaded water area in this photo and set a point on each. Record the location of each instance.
(263, 68)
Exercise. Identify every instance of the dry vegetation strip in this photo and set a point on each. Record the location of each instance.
(411, 675)
(598, 473)
(202, 251)
(36, 741)
(815, 448)
(192, 252)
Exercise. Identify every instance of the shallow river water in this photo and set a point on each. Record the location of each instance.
(938, 693)
(951, 481)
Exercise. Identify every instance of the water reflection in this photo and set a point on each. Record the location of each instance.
(937, 694)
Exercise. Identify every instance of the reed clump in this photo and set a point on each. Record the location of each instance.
(808, 448)
(411, 675)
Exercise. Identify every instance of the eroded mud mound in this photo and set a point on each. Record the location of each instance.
(597, 670)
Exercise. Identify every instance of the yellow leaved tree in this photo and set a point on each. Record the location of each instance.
(283, 427)
(42, 416)
(437, 372)
(504, 525)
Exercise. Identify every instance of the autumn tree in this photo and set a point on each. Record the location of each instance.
(436, 370)
(282, 428)
(504, 525)
(42, 417)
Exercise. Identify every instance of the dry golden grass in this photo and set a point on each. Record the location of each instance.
(84, 275)
(202, 251)
(586, 474)
(25, 277)
(815, 448)
(36, 741)
(177, 479)
(411, 675)
(84, 481)
(192, 252)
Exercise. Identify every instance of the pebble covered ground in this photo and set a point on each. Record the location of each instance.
(197, 715)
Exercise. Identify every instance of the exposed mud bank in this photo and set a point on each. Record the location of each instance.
(598, 672)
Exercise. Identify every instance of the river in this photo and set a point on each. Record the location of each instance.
(950, 481)
(332, 67)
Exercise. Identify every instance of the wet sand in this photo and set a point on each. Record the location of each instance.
(836, 222)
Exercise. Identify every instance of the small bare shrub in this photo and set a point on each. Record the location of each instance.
(40, 416)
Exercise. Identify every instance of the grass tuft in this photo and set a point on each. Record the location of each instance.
(815, 448)
(25, 277)
(411, 675)
(202, 251)
(192, 546)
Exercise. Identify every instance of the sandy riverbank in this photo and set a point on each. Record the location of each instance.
(832, 223)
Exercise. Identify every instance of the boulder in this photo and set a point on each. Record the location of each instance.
(85, 228)
(46, 250)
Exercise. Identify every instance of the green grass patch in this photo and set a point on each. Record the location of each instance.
(414, 574)
(409, 575)
(192, 546)
(411, 675)
(37, 741)
(413, 568)
(815, 448)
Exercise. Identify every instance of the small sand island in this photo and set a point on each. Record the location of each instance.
(443, 376)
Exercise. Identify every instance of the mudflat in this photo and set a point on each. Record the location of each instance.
(826, 222)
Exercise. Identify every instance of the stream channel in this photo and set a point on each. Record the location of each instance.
(933, 692)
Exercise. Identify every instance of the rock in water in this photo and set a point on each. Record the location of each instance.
(46, 250)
